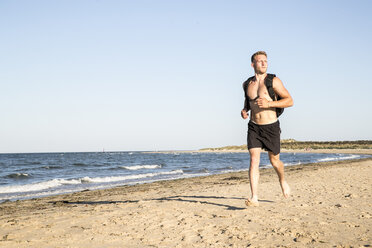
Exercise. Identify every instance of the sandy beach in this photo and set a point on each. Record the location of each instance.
(330, 206)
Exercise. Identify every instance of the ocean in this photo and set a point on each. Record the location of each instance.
(25, 176)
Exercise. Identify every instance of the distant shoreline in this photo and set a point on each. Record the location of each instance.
(291, 145)
(346, 151)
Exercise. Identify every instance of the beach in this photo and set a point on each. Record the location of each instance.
(330, 206)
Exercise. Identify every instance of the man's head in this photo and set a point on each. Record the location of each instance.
(259, 62)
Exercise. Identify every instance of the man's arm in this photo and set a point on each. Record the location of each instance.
(244, 112)
(280, 90)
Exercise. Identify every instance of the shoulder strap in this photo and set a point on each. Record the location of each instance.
(269, 85)
(245, 86)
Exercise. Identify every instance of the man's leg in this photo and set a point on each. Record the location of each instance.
(279, 168)
(254, 175)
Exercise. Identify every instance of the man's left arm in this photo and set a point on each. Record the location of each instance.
(286, 99)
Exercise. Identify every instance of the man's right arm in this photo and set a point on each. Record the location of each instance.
(244, 112)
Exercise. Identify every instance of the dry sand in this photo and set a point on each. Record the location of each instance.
(330, 206)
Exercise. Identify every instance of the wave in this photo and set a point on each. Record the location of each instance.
(129, 177)
(338, 158)
(201, 170)
(51, 167)
(54, 183)
(292, 163)
(79, 164)
(38, 186)
(140, 167)
(18, 175)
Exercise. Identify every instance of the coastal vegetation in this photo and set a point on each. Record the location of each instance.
(307, 145)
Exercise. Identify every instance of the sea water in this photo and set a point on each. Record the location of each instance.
(24, 176)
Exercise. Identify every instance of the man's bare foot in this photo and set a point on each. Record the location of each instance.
(286, 189)
(251, 203)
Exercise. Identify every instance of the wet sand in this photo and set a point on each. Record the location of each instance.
(330, 206)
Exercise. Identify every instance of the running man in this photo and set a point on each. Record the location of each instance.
(264, 127)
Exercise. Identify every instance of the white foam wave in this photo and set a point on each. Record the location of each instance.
(59, 182)
(293, 163)
(56, 191)
(18, 175)
(265, 166)
(129, 177)
(38, 186)
(140, 167)
(339, 158)
(327, 159)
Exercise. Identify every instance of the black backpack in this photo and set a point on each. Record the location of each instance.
(269, 85)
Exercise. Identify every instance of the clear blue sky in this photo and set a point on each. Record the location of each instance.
(156, 75)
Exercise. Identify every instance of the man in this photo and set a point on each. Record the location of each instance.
(264, 128)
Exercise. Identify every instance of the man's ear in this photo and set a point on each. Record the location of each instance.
(252, 65)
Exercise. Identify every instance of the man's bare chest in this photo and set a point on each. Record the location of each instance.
(256, 90)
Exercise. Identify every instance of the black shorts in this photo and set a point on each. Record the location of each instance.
(264, 136)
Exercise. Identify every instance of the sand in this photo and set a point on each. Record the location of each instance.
(330, 206)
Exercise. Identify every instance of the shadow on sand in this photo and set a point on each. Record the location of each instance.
(228, 207)
(180, 198)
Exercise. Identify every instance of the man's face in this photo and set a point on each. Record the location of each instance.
(260, 64)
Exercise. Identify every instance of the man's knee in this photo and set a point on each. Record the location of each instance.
(255, 160)
(255, 153)
(275, 160)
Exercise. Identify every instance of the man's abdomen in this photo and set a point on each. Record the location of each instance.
(264, 117)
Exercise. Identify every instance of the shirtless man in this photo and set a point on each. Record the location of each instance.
(264, 128)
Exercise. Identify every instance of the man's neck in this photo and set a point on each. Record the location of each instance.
(261, 76)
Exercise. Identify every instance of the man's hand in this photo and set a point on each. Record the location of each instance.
(244, 114)
(262, 102)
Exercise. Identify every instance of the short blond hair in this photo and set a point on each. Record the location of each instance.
(258, 53)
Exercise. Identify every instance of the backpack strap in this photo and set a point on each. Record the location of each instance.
(269, 85)
(245, 87)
